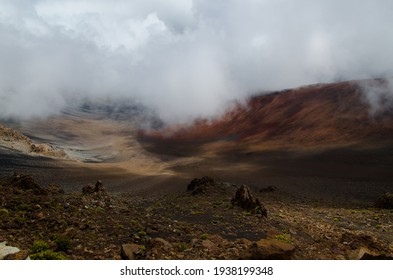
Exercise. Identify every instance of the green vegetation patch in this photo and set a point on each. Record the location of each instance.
(39, 246)
(47, 255)
(283, 238)
(40, 250)
(4, 213)
(62, 242)
(183, 247)
(203, 236)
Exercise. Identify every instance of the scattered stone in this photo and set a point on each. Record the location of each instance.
(70, 232)
(131, 252)
(7, 250)
(25, 182)
(214, 232)
(269, 249)
(54, 189)
(244, 200)
(356, 241)
(385, 201)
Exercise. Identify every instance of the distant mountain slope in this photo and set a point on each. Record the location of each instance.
(311, 116)
(13, 139)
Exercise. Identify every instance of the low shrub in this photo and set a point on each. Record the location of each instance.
(39, 246)
(47, 255)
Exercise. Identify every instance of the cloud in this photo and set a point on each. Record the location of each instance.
(183, 58)
(378, 94)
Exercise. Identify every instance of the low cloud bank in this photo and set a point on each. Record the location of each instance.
(181, 58)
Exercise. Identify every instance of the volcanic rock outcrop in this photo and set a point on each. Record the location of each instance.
(244, 200)
(25, 182)
(201, 185)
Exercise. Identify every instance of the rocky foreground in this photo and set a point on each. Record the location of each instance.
(209, 220)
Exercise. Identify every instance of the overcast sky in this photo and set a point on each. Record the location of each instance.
(183, 58)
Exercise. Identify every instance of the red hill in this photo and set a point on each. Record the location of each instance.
(322, 115)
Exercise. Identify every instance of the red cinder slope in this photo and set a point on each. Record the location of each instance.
(312, 116)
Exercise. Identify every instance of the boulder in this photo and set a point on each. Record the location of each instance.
(158, 248)
(244, 200)
(200, 185)
(160, 242)
(21, 255)
(97, 189)
(365, 253)
(359, 240)
(269, 249)
(7, 250)
(25, 182)
(131, 251)
(95, 196)
(88, 189)
(209, 245)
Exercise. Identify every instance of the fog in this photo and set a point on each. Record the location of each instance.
(183, 59)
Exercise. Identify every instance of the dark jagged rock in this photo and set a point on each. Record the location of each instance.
(244, 200)
(96, 195)
(25, 182)
(385, 201)
(98, 188)
(88, 189)
(200, 185)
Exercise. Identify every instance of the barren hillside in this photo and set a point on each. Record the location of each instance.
(317, 116)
